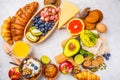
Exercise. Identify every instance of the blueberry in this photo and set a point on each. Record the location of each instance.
(46, 30)
(38, 28)
(27, 76)
(35, 67)
(45, 24)
(49, 28)
(105, 55)
(36, 25)
(37, 17)
(42, 25)
(43, 33)
(42, 30)
(32, 65)
(52, 23)
(108, 54)
(39, 22)
(46, 27)
(85, 55)
(107, 58)
(34, 19)
(78, 38)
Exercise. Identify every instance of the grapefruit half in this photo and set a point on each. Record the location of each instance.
(75, 26)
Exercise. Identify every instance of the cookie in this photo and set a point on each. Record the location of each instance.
(89, 26)
(100, 14)
(92, 17)
(52, 2)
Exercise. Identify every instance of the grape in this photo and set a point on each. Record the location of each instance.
(47, 19)
(37, 27)
(53, 11)
(42, 18)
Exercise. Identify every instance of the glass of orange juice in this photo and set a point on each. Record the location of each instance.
(21, 49)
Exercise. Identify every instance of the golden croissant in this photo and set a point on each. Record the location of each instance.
(6, 31)
(86, 75)
(13, 29)
(20, 20)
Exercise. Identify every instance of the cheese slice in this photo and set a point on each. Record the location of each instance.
(68, 10)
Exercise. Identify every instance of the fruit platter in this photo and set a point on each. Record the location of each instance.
(56, 40)
(42, 24)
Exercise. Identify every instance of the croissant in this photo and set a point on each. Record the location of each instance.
(20, 20)
(86, 75)
(6, 31)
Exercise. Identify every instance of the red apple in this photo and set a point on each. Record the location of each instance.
(66, 67)
(14, 73)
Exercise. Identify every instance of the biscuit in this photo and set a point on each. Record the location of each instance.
(92, 17)
(52, 2)
(100, 14)
(89, 26)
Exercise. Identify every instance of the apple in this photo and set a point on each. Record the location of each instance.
(66, 67)
(14, 73)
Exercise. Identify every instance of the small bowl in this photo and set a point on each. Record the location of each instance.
(21, 71)
(55, 74)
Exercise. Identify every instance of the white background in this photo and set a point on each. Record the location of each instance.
(52, 47)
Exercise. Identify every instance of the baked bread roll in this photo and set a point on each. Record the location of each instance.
(20, 20)
(6, 31)
(86, 75)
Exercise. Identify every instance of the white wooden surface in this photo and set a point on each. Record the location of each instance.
(52, 47)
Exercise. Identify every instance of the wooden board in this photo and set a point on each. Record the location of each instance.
(42, 38)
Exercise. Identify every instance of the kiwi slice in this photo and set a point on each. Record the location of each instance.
(31, 38)
(35, 32)
(78, 59)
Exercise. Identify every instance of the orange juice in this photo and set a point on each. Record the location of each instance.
(21, 49)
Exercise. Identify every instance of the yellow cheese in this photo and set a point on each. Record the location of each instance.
(68, 11)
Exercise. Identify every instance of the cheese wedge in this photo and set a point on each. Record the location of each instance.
(68, 11)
